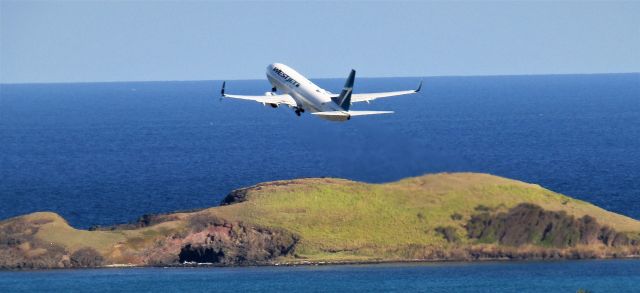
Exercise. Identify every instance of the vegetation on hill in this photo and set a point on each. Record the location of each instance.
(459, 216)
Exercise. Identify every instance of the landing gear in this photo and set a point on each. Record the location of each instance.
(273, 89)
(298, 110)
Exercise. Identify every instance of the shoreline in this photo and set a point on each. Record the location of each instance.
(325, 263)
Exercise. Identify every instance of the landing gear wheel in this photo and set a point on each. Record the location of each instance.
(298, 113)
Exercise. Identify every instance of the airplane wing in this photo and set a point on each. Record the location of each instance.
(372, 96)
(272, 99)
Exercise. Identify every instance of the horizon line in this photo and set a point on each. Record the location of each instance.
(321, 78)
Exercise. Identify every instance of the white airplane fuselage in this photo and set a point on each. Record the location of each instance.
(307, 95)
(302, 95)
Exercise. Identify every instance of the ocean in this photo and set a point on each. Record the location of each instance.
(106, 153)
(495, 277)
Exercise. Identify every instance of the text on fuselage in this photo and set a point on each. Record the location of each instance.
(286, 77)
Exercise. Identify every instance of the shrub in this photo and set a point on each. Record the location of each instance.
(449, 233)
(86, 257)
(200, 221)
(482, 208)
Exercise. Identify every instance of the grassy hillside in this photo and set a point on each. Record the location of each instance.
(336, 217)
(325, 219)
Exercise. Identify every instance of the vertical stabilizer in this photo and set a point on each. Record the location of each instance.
(344, 100)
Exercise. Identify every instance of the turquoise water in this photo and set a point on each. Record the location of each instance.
(557, 276)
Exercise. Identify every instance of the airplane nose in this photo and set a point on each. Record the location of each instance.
(276, 64)
(269, 69)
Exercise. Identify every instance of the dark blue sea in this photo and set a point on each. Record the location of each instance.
(106, 153)
(548, 277)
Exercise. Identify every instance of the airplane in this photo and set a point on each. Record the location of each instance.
(302, 95)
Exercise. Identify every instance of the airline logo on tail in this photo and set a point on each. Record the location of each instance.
(344, 99)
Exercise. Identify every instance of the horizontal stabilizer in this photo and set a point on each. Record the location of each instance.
(346, 115)
(363, 113)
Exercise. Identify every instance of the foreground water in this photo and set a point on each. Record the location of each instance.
(104, 153)
(561, 276)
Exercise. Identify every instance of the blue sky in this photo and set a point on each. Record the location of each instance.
(68, 41)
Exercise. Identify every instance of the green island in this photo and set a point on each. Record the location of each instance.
(435, 217)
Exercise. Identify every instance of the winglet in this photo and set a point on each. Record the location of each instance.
(222, 90)
(419, 87)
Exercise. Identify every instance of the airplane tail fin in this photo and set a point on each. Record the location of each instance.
(344, 99)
